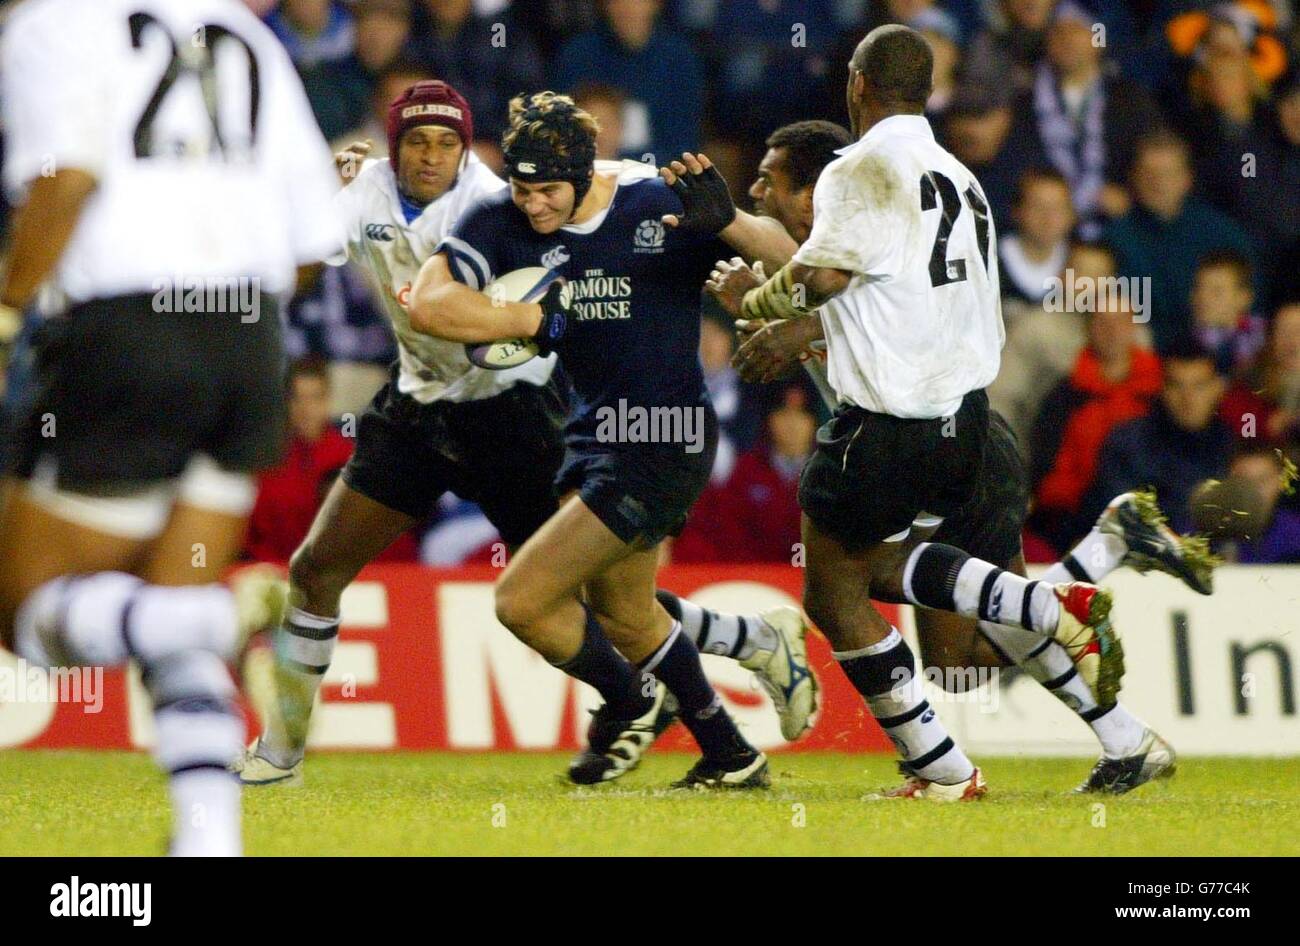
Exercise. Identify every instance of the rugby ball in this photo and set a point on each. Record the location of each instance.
(529, 284)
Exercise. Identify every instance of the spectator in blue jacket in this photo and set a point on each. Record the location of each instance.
(657, 69)
(1167, 232)
(489, 59)
(320, 37)
(1178, 444)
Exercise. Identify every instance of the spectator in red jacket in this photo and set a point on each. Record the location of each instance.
(288, 495)
(754, 515)
(1114, 380)
(1265, 403)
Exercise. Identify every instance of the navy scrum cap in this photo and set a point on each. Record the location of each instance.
(529, 158)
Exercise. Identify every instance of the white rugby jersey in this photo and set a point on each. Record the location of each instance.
(920, 324)
(391, 250)
(190, 116)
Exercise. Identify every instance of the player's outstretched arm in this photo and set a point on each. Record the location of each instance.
(444, 308)
(796, 290)
(707, 207)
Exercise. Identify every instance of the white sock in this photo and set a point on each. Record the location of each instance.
(200, 731)
(884, 674)
(728, 635)
(1049, 665)
(304, 648)
(1096, 556)
(206, 814)
(101, 620)
(1003, 601)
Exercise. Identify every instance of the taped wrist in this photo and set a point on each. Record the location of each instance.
(778, 298)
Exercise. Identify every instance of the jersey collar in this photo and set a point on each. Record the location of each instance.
(914, 125)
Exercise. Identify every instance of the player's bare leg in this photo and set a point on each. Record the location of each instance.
(349, 531)
(879, 664)
(70, 598)
(539, 598)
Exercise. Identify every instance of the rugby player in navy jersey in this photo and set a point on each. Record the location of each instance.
(641, 435)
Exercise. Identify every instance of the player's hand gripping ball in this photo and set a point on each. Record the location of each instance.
(531, 284)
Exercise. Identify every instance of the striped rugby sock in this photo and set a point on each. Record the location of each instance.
(947, 579)
(199, 732)
(884, 673)
(181, 638)
(304, 648)
(1096, 556)
(1047, 663)
(713, 632)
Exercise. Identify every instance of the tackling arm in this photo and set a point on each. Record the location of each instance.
(759, 239)
(796, 290)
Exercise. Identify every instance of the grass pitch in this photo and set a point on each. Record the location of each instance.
(114, 803)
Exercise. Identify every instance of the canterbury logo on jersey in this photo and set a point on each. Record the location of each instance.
(436, 108)
(381, 232)
(555, 257)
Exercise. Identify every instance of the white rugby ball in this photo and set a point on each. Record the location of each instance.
(522, 285)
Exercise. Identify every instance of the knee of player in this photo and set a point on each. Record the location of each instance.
(516, 608)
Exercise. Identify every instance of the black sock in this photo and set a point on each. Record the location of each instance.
(615, 679)
(677, 664)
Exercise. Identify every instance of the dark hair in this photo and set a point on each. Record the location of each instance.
(1228, 257)
(598, 92)
(1257, 448)
(308, 366)
(1160, 140)
(1189, 349)
(897, 64)
(1096, 246)
(809, 147)
(1039, 175)
(399, 68)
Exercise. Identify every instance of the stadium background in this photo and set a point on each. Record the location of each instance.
(1084, 392)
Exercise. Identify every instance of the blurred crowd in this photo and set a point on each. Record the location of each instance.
(1151, 145)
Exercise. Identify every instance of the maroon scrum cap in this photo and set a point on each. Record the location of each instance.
(432, 102)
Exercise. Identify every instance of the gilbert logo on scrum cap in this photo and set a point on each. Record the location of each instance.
(432, 108)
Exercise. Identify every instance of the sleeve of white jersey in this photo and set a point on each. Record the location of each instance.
(310, 179)
(349, 205)
(855, 216)
(55, 97)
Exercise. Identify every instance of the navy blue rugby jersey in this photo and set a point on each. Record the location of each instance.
(634, 330)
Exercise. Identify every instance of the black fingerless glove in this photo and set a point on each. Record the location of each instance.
(555, 318)
(706, 201)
